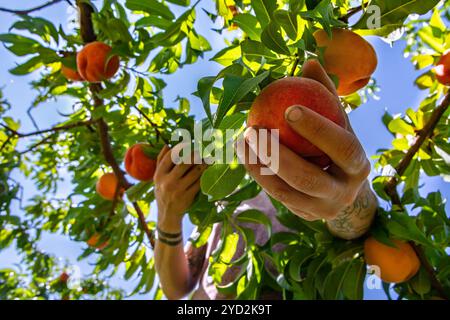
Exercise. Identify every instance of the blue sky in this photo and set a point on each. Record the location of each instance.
(395, 76)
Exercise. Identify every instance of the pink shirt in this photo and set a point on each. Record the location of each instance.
(206, 289)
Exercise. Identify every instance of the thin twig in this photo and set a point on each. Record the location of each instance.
(34, 146)
(32, 118)
(423, 134)
(54, 129)
(155, 127)
(294, 67)
(27, 11)
(351, 12)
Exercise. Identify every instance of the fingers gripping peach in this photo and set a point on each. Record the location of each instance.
(94, 63)
(138, 164)
(269, 107)
(349, 57)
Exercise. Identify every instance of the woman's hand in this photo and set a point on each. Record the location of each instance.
(175, 188)
(341, 194)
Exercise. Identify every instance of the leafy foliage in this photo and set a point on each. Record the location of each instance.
(274, 38)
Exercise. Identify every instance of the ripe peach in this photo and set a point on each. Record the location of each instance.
(349, 57)
(94, 63)
(442, 69)
(94, 242)
(396, 264)
(268, 110)
(64, 277)
(139, 165)
(106, 186)
(71, 74)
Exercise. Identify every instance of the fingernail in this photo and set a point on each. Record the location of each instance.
(293, 113)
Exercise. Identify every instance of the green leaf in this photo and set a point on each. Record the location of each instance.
(297, 262)
(436, 21)
(264, 10)
(393, 11)
(153, 21)
(249, 191)
(272, 39)
(255, 51)
(39, 26)
(198, 42)
(428, 36)
(227, 55)
(421, 282)
(136, 192)
(403, 226)
(334, 282)
(399, 125)
(248, 24)
(354, 280)
(204, 87)
(133, 264)
(235, 89)
(234, 121)
(152, 7)
(219, 180)
(183, 3)
(227, 252)
(20, 45)
(256, 216)
(27, 67)
(291, 23)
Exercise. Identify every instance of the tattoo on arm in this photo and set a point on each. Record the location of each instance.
(196, 258)
(354, 221)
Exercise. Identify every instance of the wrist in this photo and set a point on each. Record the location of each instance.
(355, 220)
(170, 223)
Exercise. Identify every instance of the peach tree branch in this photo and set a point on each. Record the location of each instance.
(88, 35)
(54, 129)
(391, 185)
(28, 11)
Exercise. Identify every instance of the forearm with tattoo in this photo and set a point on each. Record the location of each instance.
(356, 219)
(196, 258)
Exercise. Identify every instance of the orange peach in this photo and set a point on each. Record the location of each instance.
(94, 242)
(138, 164)
(396, 264)
(442, 69)
(71, 74)
(267, 111)
(348, 57)
(94, 63)
(106, 186)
